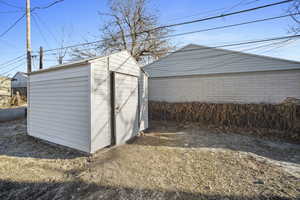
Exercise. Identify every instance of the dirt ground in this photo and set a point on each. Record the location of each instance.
(190, 162)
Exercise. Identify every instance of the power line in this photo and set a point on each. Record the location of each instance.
(225, 45)
(40, 30)
(221, 64)
(216, 28)
(221, 16)
(47, 6)
(228, 52)
(243, 43)
(255, 41)
(10, 5)
(231, 25)
(229, 45)
(41, 21)
(14, 59)
(33, 9)
(215, 10)
(179, 24)
(12, 64)
(235, 44)
(13, 25)
(16, 67)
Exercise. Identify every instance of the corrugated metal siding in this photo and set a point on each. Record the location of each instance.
(100, 106)
(143, 95)
(255, 87)
(59, 107)
(200, 60)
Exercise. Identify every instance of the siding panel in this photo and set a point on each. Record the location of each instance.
(257, 87)
(59, 107)
(100, 104)
(143, 95)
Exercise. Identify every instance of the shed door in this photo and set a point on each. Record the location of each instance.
(126, 107)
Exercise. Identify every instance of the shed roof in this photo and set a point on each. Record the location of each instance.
(67, 65)
(21, 73)
(202, 60)
(80, 62)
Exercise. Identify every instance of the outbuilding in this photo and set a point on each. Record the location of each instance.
(19, 83)
(88, 104)
(198, 73)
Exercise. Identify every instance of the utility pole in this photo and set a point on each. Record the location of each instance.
(41, 57)
(60, 60)
(28, 51)
(28, 36)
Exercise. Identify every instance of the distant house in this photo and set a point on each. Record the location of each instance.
(197, 73)
(5, 90)
(5, 86)
(19, 83)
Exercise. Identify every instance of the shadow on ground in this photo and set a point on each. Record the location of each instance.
(80, 190)
(145, 168)
(15, 142)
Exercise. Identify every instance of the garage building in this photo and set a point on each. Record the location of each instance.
(203, 74)
(89, 104)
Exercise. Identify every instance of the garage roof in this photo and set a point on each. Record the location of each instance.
(202, 60)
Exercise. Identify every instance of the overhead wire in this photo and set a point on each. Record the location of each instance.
(12, 64)
(39, 19)
(212, 11)
(10, 5)
(20, 18)
(11, 60)
(219, 63)
(40, 30)
(14, 68)
(13, 25)
(179, 24)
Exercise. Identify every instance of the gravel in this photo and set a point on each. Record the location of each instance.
(168, 162)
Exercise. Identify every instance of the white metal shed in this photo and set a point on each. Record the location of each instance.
(89, 104)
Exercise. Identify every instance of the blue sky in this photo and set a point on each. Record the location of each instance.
(81, 22)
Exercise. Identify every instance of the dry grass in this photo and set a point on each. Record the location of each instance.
(279, 116)
(166, 163)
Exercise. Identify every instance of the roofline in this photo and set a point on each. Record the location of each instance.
(23, 73)
(78, 63)
(221, 49)
(250, 54)
(59, 67)
(166, 56)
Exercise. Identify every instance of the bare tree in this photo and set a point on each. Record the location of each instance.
(61, 53)
(295, 8)
(130, 26)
